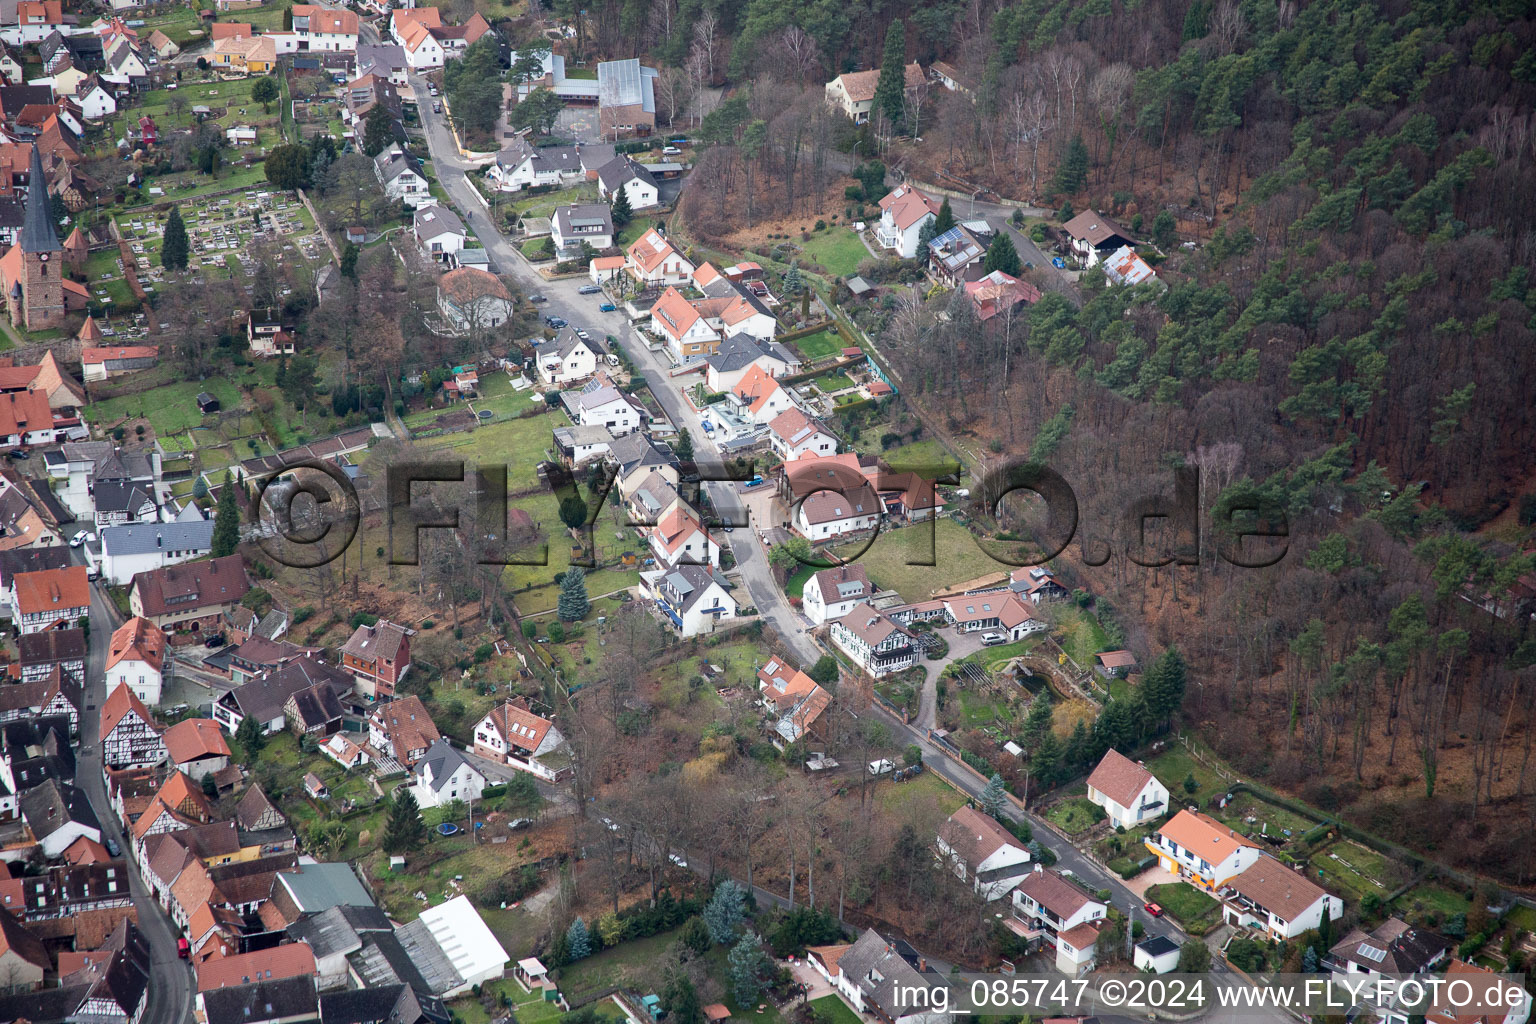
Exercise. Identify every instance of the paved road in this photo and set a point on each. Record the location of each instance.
(170, 982)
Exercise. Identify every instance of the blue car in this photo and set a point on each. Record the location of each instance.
(1058, 263)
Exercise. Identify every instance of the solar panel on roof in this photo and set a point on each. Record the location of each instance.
(1372, 953)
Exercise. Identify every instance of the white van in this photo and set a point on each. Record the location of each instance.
(884, 766)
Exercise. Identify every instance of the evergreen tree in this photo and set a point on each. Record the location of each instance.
(794, 284)
(1325, 928)
(681, 1000)
(578, 944)
(1001, 255)
(1309, 961)
(891, 92)
(226, 521)
(990, 800)
(1045, 762)
(173, 248)
(200, 488)
(349, 261)
(824, 672)
(404, 831)
(1079, 747)
(683, 448)
(57, 207)
(1163, 686)
(1073, 172)
(1038, 721)
(622, 214)
(1165, 230)
(748, 963)
(1194, 957)
(211, 788)
(695, 935)
(378, 130)
(725, 911)
(944, 219)
(573, 604)
(250, 737)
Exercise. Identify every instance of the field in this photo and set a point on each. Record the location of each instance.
(890, 796)
(820, 345)
(1172, 767)
(1432, 898)
(1354, 869)
(920, 455)
(1081, 635)
(171, 408)
(180, 23)
(1182, 901)
(519, 444)
(1075, 816)
(837, 250)
(956, 558)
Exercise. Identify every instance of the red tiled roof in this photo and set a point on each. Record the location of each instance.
(195, 738)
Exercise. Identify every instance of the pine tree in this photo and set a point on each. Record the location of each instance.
(1001, 255)
(1045, 763)
(622, 214)
(747, 964)
(1073, 172)
(891, 92)
(250, 737)
(226, 521)
(578, 944)
(682, 1000)
(990, 800)
(1079, 747)
(174, 249)
(794, 284)
(573, 604)
(683, 447)
(944, 219)
(404, 831)
(1325, 928)
(378, 130)
(349, 261)
(1038, 721)
(725, 912)
(1163, 686)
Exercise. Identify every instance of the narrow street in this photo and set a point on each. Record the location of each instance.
(170, 984)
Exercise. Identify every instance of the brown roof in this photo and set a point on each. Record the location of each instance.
(380, 640)
(52, 589)
(467, 284)
(86, 850)
(1204, 836)
(195, 887)
(407, 724)
(290, 960)
(15, 938)
(48, 646)
(190, 585)
(1054, 893)
(869, 625)
(116, 707)
(1119, 778)
(1095, 228)
(252, 806)
(1117, 659)
(138, 639)
(520, 726)
(860, 85)
(167, 857)
(908, 205)
(195, 738)
(1081, 937)
(975, 836)
(1286, 893)
(102, 354)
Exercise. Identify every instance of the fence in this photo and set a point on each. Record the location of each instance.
(890, 706)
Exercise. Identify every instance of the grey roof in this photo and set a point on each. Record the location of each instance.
(392, 164)
(635, 450)
(339, 929)
(39, 233)
(955, 249)
(1158, 945)
(655, 493)
(50, 806)
(262, 1001)
(595, 154)
(383, 960)
(317, 887)
(431, 221)
(384, 1004)
(264, 697)
(620, 170)
(741, 350)
(147, 538)
(120, 496)
(872, 953)
(34, 560)
(430, 958)
(564, 343)
(691, 582)
(548, 158)
(626, 83)
(47, 1006)
(443, 759)
(584, 219)
(389, 55)
(570, 437)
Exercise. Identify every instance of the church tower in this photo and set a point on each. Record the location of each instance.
(40, 282)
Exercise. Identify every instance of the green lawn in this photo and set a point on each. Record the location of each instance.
(1081, 636)
(1075, 816)
(1182, 901)
(636, 227)
(834, 382)
(268, 17)
(835, 1010)
(794, 585)
(920, 455)
(820, 345)
(1173, 766)
(545, 203)
(519, 444)
(171, 408)
(1434, 898)
(978, 711)
(956, 558)
(1354, 869)
(581, 980)
(837, 250)
(891, 796)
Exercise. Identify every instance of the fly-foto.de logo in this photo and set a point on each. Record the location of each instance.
(309, 514)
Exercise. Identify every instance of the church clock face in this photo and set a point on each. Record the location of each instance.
(43, 257)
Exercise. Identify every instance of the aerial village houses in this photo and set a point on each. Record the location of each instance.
(983, 853)
(402, 729)
(1272, 898)
(197, 747)
(130, 737)
(444, 775)
(190, 596)
(796, 703)
(854, 93)
(875, 642)
(1201, 850)
(833, 593)
(873, 973)
(903, 212)
(1049, 909)
(510, 734)
(1128, 792)
(42, 600)
(1095, 237)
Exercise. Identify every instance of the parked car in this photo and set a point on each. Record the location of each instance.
(671, 151)
(183, 948)
(517, 823)
(214, 640)
(78, 539)
(607, 307)
(588, 289)
(583, 335)
(437, 107)
(93, 573)
(113, 848)
(884, 766)
(537, 297)
(756, 481)
(993, 639)
(556, 322)
(676, 859)
(1153, 909)
(19, 453)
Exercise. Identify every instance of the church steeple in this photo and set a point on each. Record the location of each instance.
(38, 232)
